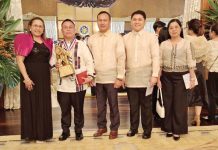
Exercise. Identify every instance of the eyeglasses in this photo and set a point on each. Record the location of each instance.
(38, 26)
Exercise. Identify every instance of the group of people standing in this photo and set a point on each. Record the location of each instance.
(135, 61)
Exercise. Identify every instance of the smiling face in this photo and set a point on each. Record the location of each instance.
(137, 22)
(37, 28)
(68, 30)
(174, 30)
(103, 22)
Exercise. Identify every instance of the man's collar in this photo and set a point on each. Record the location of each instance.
(138, 33)
(104, 33)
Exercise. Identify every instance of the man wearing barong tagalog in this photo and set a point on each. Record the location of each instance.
(71, 88)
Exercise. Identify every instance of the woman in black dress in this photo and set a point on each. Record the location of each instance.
(200, 46)
(33, 52)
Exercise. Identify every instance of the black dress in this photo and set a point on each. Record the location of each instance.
(198, 96)
(36, 112)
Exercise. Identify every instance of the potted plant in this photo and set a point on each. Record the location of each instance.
(211, 14)
(9, 74)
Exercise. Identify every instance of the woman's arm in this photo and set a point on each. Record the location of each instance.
(191, 62)
(192, 78)
(27, 81)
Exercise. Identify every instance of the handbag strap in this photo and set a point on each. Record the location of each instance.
(159, 94)
(213, 63)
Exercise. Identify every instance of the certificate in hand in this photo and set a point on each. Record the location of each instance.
(186, 78)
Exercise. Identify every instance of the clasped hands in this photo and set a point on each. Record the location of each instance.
(28, 84)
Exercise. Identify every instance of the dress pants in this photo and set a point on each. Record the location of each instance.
(175, 102)
(154, 101)
(104, 92)
(66, 101)
(213, 94)
(137, 101)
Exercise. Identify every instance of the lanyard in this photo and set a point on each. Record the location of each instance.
(72, 43)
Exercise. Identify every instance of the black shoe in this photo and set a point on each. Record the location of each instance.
(64, 136)
(27, 140)
(176, 138)
(79, 136)
(169, 134)
(146, 136)
(132, 133)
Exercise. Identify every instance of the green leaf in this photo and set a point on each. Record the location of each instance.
(213, 5)
(9, 37)
(10, 28)
(9, 73)
(9, 22)
(211, 12)
(5, 4)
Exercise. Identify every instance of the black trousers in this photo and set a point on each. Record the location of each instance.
(212, 85)
(66, 101)
(175, 102)
(154, 101)
(104, 92)
(137, 101)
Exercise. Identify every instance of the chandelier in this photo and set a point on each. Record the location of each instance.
(89, 3)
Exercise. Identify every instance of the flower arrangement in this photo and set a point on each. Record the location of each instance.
(9, 73)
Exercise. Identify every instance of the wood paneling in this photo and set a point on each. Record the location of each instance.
(65, 11)
(40, 7)
(153, 9)
(204, 4)
(84, 13)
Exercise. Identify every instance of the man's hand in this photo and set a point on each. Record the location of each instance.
(153, 81)
(159, 85)
(57, 65)
(87, 80)
(118, 83)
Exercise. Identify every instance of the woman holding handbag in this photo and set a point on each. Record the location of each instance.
(212, 66)
(176, 61)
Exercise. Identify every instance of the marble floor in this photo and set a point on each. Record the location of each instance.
(199, 138)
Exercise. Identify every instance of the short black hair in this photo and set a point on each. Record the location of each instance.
(214, 28)
(67, 20)
(104, 12)
(139, 12)
(196, 26)
(179, 23)
(158, 24)
(163, 35)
